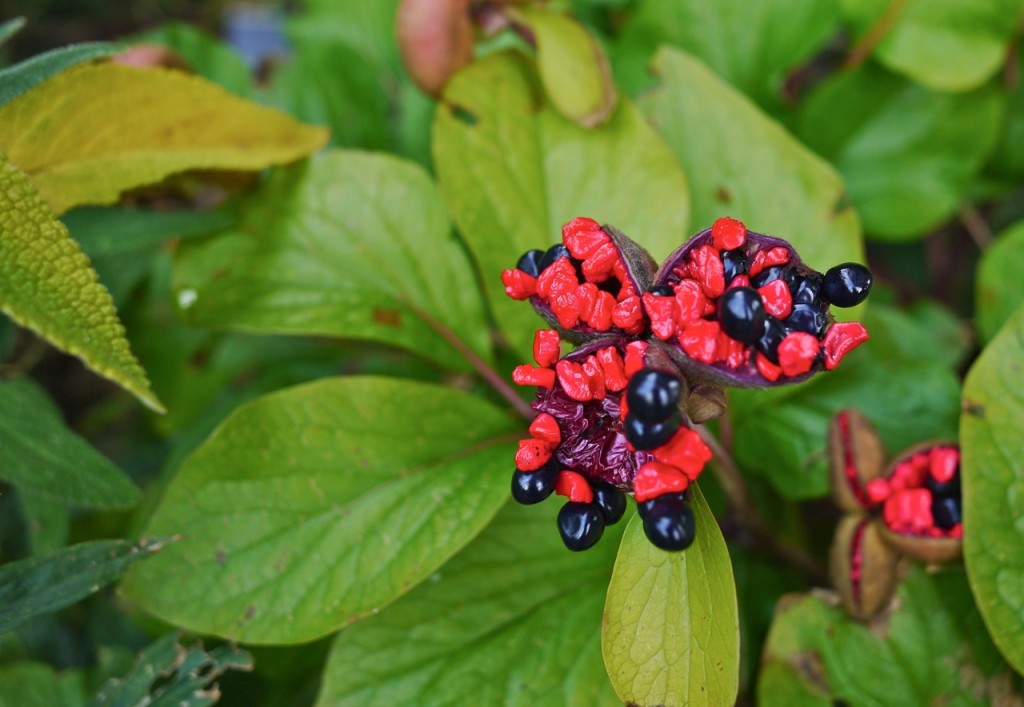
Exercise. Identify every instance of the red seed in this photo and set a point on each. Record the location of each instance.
(655, 479)
(582, 236)
(586, 296)
(613, 367)
(767, 258)
(601, 319)
(909, 473)
(728, 233)
(532, 454)
(626, 288)
(766, 368)
(531, 375)
(546, 347)
(566, 307)
(663, 312)
(734, 354)
(574, 486)
(707, 269)
(777, 300)
(598, 267)
(841, 339)
(557, 278)
(636, 353)
(624, 411)
(699, 340)
(797, 352)
(518, 285)
(957, 531)
(573, 380)
(739, 281)
(944, 463)
(690, 300)
(686, 451)
(909, 511)
(628, 315)
(545, 428)
(877, 491)
(595, 377)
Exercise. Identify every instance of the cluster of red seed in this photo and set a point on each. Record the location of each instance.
(909, 495)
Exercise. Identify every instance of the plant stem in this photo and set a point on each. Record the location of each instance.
(875, 34)
(976, 227)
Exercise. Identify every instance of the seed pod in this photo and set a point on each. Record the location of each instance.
(863, 566)
(856, 456)
(704, 403)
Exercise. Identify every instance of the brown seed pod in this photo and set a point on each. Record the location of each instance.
(856, 456)
(863, 566)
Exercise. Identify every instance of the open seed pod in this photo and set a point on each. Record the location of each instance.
(863, 566)
(856, 457)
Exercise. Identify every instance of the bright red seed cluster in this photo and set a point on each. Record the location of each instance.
(908, 496)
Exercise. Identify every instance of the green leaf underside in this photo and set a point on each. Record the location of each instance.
(352, 244)
(48, 285)
(105, 231)
(947, 45)
(907, 154)
(745, 165)
(993, 486)
(150, 123)
(932, 650)
(20, 78)
(320, 504)
(999, 287)
(42, 457)
(671, 627)
(40, 585)
(513, 171)
(10, 28)
(29, 684)
(514, 619)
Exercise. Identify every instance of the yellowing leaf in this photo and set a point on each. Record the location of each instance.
(95, 130)
(48, 285)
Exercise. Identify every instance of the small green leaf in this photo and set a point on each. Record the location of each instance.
(48, 285)
(41, 585)
(946, 45)
(9, 28)
(20, 78)
(907, 154)
(514, 619)
(671, 627)
(999, 287)
(743, 164)
(992, 466)
(38, 685)
(352, 244)
(315, 506)
(513, 171)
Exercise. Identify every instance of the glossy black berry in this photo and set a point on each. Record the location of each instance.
(735, 263)
(653, 395)
(610, 499)
(529, 262)
(649, 435)
(530, 487)
(553, 253)
(806, 290)
(669, 523)
(847, 285)
(662, 291)
(767, 275)
(644, 507)
(741, 314)
(580, 525)
(949, 489)
(806, 317)
(771, 336)
(946, 512)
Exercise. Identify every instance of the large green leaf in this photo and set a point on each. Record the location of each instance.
(315, 506)
(20, 78)
(947, 45)
(1000, 289)
(743, 164)
(513, 171)
(931, 650)
(38, 685)
(514, 619)
(750, 45)
(43, 457)
(993, 481)
(907, 154)
(47, 284)
(352, 244)
(671, 627)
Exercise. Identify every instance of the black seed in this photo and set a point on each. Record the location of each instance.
(580, 525)
(662, 291)
(735, 263)
(649, 435)
(669, 523)
(949, 489)
(806, 290)
(530, 487)
(771, 336)
(644, 507)
(529, 262)
(741, 314)
(805, 317)
(847, 285)
(610, 499)
(946, 512)
(553, 253)
(611, 285)
(653, 395)
(767, 275)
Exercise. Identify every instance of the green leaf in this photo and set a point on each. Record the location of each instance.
(47, 522)
(43, 457)
(1008, 156)
(907, 154)
(9, 28)
(315, 506)
(572, 65)
(41, 585)
(743, 164)
(145, 125)
(205, 54)
(750, 45)
(47, 284)
(20, 78)
(671, 627)
(28, 684)
(513, 171)
(946, 45)
(352, 244)
(931, 650)
(999, 287)
(922, 332)
(514, 619)
(993, 479)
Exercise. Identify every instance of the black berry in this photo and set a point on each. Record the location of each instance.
(946, 512)
(529, 262)
(806, 290)
(530, 487)
(610, 500)
(553, 253)
(653, 395)
(735, 263)
(669, 523)
(767, 275)
(662, 291)
(644, 507)
(741, 314)
(580, 525)
(949, 489)
(649, 435)
(772, 335)
(847, 285)
(806, 317)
